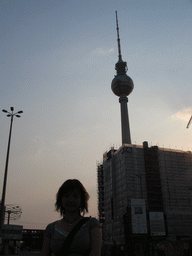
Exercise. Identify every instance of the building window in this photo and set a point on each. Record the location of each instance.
(138, 210)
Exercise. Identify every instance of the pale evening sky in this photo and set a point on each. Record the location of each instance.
(57, 64)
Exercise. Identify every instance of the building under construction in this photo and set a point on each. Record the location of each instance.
(145, 195)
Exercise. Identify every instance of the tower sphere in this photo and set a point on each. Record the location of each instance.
(122, 85)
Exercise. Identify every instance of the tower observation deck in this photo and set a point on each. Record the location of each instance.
(122, 85)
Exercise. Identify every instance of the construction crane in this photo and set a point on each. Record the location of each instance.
(189, 122)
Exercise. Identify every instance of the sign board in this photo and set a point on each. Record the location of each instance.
(12, 232)
(157, 223)
(138, 216)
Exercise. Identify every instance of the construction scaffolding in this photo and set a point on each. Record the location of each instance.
(137, 180)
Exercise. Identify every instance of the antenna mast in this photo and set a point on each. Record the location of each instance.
(118, 39)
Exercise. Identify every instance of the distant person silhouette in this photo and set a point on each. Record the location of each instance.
(72, 203)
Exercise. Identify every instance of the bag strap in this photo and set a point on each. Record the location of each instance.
(69, 239)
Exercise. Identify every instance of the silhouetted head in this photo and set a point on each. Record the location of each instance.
(68, 187)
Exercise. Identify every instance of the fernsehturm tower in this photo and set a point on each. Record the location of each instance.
(122, 85)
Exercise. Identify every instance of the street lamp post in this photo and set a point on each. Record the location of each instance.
(10, 114)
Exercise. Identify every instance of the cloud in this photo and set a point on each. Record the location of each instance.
(101, 50)
(183, 115)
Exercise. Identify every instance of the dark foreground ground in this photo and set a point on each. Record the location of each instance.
(25, 254)
(29, 254)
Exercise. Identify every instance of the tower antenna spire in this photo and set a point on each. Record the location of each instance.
(118, 39)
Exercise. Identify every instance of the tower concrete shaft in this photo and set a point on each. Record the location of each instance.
(126, 136)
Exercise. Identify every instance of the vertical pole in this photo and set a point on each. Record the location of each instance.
(2, 210)
(9, 213)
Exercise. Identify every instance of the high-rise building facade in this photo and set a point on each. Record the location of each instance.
(145, 195)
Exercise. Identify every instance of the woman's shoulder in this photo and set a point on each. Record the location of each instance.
(94, 223)
(50, 228)
(52, 224)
